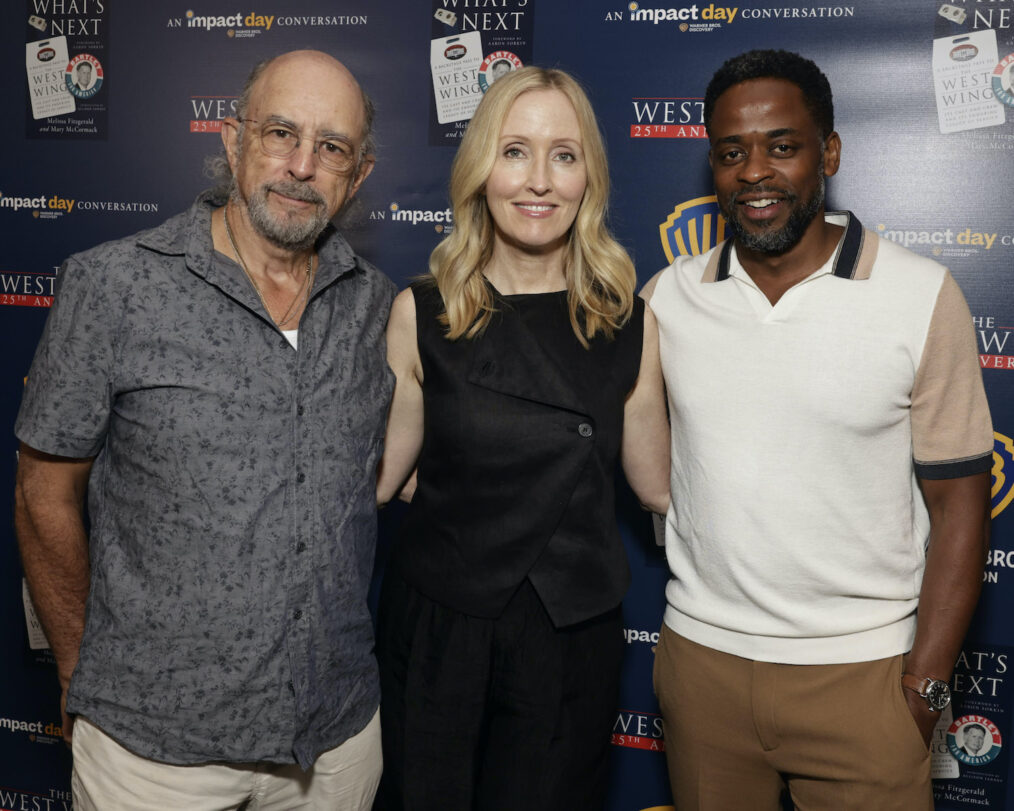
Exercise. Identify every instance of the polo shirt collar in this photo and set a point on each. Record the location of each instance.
(853, 258)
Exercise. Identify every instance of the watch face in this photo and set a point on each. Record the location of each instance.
(938, 694)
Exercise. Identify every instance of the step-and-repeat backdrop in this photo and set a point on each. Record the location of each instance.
(112, 106)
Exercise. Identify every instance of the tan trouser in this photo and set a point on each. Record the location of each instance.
(107, 777)
(736, 730)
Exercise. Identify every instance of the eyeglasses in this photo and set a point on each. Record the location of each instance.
(281, 140)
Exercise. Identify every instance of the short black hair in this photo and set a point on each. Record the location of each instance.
(771, 64)
(969, 727)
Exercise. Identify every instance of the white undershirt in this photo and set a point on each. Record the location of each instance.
(292, 336)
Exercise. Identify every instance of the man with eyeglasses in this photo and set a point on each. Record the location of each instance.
(217, 388)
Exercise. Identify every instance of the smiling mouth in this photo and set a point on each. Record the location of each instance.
(296, 194)
(294, 201)
(535, 208)
(764, 203)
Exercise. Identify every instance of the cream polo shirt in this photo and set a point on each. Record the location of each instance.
(797, 532)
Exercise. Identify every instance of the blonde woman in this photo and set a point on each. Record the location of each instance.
(525, 368)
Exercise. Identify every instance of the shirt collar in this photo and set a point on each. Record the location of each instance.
(853, 258)
(189, 234)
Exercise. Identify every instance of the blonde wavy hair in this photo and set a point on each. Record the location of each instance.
(600, 275)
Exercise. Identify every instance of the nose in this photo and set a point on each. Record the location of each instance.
(539, 177)
(303, 160)
(755, 168)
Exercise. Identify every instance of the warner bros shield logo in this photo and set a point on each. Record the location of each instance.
(693, 227)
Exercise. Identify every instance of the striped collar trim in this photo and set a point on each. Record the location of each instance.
(853, 257)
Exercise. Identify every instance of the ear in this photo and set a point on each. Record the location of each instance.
(832, 154)
(230, 140)
(365, 167)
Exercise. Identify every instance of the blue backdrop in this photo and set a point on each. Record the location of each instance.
(924, 103)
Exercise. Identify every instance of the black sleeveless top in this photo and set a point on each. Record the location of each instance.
(522, 434)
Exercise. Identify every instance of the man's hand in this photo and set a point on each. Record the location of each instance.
(924, 717)
(67, 721)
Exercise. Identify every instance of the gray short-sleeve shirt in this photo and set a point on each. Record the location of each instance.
(232, 498)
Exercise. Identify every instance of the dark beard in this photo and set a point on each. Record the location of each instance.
(775, 241)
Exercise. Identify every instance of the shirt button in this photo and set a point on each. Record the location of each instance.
(584, 429)
(298, 614)
(300, 547)
(299, 411)
(300, 477)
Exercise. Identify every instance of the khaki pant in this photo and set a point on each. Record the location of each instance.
(737, 731)
(107, 777)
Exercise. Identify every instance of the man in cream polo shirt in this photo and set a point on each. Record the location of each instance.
(831, 448)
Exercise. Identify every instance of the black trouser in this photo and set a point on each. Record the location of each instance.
(483, 714)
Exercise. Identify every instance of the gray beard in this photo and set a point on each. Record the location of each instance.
(777, 241)
(287, 233)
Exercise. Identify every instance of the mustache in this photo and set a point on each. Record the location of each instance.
(772, 190)
(297, 191)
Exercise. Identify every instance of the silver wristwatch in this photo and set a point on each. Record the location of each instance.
(937, 693)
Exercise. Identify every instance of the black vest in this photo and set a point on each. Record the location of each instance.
(522, 435)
